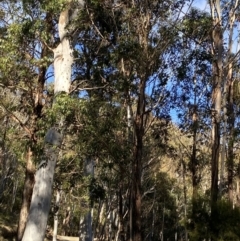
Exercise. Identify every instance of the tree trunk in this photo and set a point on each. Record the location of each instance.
(121, 234)
(217, 51)
(229, 110)
(86, 232)
(41, 200)
(42, 192)
(66, 222)
(194, 160)
(137, 163)
(230, 156)
(185, 195)
(56, 211)
(216, 100)
(27, 195)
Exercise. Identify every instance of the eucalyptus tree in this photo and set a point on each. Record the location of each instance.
(124, 47)
(192, 93)
(23, 74)
(62, 61)
(224, 17)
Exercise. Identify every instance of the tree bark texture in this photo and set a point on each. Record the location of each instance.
(56, 211)
(217, 51)
(41, 200)
(27, 195)
(230, 154)
(217, 48)
(137, 163)
(229, 109)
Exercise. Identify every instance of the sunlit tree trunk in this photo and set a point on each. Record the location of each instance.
(56, 212)
(42, 192)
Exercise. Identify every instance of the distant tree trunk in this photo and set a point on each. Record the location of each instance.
(42, 192)
(66, 222)
(217, 51)
(120, 234)
(185, 196)
(229, 109)
(27, 194)
(194, 160)
(230, 155)
(86, 232)
(216, 98)
(56, 211)
(86, 227)
(238, 186)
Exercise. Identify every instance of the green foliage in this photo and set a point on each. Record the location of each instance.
(96, 191)
(197, 24)
(223, 226)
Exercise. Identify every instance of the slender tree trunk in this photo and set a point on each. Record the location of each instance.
(86, 231)
(217, 50)
(66, 221)
(121, 234)
(38, 105)
(230, 156)
(185, 196)
(56, 211)
(194, 160)
(137, 163)
(229, 110)
(216, 99)
(238, 186)
(27, 194)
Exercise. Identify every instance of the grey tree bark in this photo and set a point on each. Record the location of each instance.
(42, 192)
(56, 211)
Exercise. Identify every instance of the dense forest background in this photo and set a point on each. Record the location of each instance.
(120, 120)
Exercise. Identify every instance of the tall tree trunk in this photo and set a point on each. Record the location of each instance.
(38, 105)
(216, 98)
(27, 194)
(137, 163)
(42, 192)
(230, 156)
(229, 110)
(194, 160)
(194, 167)
(185, 196)
(217, 51)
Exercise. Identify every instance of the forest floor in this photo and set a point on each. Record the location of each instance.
(8, 230)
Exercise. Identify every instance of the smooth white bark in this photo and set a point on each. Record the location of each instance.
(42, 192)
(41, 202)
(55, 224)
